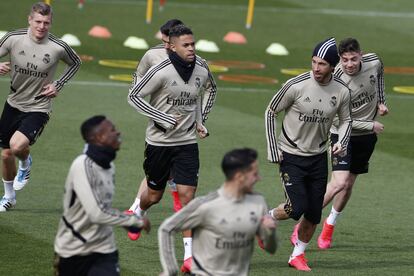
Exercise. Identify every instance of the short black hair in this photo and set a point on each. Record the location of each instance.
(180, 30)
(237, 160)
(165, 29)
(348, 45)
(89, 126)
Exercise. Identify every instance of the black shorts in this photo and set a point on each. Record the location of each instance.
(95, 264)
(359, 151)
(304, 179)
(181, 163)
(31, 124)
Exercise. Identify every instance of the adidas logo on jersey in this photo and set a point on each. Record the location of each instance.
(223, 221)
(22, 53)
(307, 100)
(174, 83)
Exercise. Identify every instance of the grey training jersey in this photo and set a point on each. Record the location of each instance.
(224, 231)
(88, 217)
(367, 91)
(310, 108)
(157, 54)
(170, 96)
(33, 65)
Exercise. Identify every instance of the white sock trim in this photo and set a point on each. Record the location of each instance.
(24, 164)
(300, 248)
(9, 191)
(135, 205)
(333, 216)
(188, 245)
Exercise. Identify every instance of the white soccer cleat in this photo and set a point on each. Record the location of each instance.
(6, 204)
(22, 177)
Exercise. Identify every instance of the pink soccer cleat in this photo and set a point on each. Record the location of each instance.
(299, 263)
(325, 238)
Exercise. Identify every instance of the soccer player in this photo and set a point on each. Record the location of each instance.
(310, 101)
(364, 74)
(224, 222)
(174, 87)
(85, 242)
(34, 56)
(152, 57)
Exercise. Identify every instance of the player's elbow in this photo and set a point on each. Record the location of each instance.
(95, 217)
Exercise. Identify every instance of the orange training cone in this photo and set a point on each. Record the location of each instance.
(235, 38)
(99, 31)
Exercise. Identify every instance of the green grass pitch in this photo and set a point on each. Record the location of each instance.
(374, 235)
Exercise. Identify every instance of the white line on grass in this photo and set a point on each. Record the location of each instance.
(271, 9)
(222, 88)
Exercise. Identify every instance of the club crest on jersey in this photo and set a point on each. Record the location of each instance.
(286, 177)
(334, 161)
(372, 80)
(253, 217)
(333, 101)
(197, 82)
(46, 58)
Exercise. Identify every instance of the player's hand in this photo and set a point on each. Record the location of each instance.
(135, 229)
(338, 150)
(49, 90)
(382, 109)
(268, 222)
(280, 155)
(178, 119)
(202, 131)
(147, 225)
(378, 127)
(4, 68)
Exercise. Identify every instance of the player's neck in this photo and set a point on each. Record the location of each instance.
(232, 189)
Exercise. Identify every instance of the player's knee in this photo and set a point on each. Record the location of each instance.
(154, 197)
(185, 198)
(16, 147)
(339, 184)
(313, 217)
(7, 155)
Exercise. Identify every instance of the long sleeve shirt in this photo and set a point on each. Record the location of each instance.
(170, 97)
(157, 54)
(224, 231)
(367, 91)
(33, 65)
(88, 216)
(310, 108)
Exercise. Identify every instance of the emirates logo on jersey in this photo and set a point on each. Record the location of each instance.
(46, 58)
